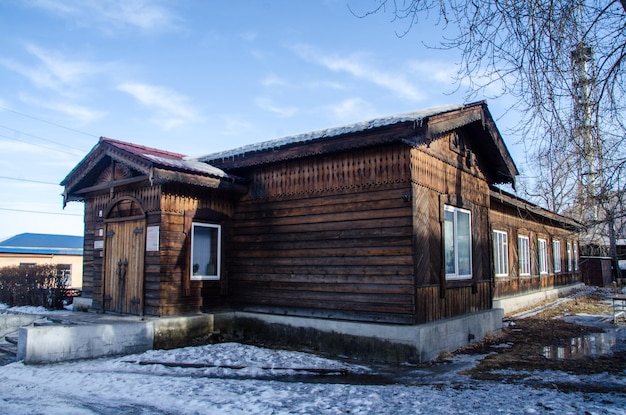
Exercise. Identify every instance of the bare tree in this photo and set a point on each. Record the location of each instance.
(564, 61)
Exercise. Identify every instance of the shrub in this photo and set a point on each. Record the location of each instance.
(40, 285)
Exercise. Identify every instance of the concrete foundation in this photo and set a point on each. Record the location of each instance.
(376, 342)
(173, 332)
(50, 344)
(88, 335)
(12, 322)
(82, 303)
(511, 305)
(91, 336)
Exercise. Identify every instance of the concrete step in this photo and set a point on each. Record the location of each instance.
(12, 338)
(8, 347)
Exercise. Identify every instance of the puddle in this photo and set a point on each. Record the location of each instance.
(591, 345)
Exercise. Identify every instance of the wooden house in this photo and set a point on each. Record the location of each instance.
(385, 222)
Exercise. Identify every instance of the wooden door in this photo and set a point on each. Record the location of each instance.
(124, 267)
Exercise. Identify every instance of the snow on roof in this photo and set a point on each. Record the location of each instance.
(187, 165)
(38, 243)
(166, 159)
(332, 132)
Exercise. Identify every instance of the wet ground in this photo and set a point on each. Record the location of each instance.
(576, 337)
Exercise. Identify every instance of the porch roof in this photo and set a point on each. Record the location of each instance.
(155, 165)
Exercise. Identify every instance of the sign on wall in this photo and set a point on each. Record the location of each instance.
(152, 238)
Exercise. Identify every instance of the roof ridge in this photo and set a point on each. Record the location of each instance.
(330, 132)
(152, 150)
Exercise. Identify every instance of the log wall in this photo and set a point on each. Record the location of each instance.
(516, 222)
(179, 207)
(441, 177)
(327, 237)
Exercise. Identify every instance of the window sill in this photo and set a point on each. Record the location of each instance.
(205, 278)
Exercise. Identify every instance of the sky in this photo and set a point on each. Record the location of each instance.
(196, 77)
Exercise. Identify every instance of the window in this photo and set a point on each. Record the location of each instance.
(556, 248)
(501, 253)
(575, 256)
(205, 251)
(458, 243)
(523, 246)
(543, 256)
(64, 273)
(27, 265)
(569, 257)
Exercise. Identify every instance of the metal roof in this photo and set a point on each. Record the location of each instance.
(166, 159)
(39, 243)
(415, 116)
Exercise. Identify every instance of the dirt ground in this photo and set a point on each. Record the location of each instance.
(543, 341)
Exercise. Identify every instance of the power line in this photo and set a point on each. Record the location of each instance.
(38, 145)
(41, 138)
(27, 180)
(47, 122)
(42, 212)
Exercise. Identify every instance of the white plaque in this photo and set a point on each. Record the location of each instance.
(152, 238)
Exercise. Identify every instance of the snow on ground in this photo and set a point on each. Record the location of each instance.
(29, 309)
(123, 386)
(231, 378)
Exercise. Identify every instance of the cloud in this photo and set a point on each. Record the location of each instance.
(352, 109)
(446, 74)
(268, 105)
(273, 80)
(326, 85)
(102, 14)
(53, 70)
(354, 64)
(438, 71)
(78, 113)
(171, 108)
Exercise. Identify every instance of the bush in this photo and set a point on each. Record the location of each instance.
(40, 285)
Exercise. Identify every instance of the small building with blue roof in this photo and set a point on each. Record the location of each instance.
(30, 249)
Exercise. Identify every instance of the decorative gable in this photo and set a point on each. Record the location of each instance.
(113, 163)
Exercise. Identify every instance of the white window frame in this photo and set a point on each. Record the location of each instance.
(501, 253)
(455, 231)
(542, 247)
(199, 274)
(556, 255)
(523, 250)
(570, 265)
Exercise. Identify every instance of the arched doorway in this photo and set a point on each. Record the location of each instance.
(122, 286)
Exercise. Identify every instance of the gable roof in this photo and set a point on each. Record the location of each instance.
(155, 165)
(327, 133)
(38, 243)
(412, 127)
